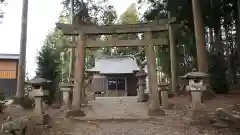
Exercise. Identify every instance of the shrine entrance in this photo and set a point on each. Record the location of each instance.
(88, 37)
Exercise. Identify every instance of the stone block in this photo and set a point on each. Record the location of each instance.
(43, 119)
(75, 113)
(158, 112)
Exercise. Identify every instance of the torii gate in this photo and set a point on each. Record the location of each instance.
(84, 30)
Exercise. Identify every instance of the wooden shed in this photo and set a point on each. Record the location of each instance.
(115, 75)
(8, 74)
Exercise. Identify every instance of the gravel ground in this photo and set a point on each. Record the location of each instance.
(174, 123)
(130, 128)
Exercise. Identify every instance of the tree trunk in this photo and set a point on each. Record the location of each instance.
(211, 39)
(238, 29)
(217, 44)
(199, 35)
(229, 63)
(173, 57)
(23, 46)
(72, 50)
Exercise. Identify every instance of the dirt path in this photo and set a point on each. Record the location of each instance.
(118, 107)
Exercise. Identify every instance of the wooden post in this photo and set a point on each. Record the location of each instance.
(172, 57)
(154, 103)
(23, 46)
(199, 35)
(79, 72)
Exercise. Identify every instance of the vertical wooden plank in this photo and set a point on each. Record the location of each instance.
(79, 72)
(172, 57)
(154, 102)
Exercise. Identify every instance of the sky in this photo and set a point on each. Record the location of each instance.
(41, 19)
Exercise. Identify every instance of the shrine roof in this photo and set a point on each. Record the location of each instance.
(9, 56)
(115, 65)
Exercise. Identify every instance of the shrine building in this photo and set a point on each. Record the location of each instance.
(115, 75)
(8, 74)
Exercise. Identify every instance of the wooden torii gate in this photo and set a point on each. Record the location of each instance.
(85, 30)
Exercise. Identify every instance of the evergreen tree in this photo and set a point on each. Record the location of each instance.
(49, 64)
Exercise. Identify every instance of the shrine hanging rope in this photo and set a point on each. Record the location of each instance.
(142, 49)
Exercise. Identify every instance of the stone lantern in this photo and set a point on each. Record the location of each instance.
(67, 89)
(196, 87)
(38, 92)
(141, 84)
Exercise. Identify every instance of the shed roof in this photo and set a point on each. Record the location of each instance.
(115, 64)
(9, 56)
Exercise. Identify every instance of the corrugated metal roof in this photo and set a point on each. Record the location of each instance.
(9, 56)
(115, 64)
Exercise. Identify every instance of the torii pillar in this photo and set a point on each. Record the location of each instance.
(79, 72)
(78, 78)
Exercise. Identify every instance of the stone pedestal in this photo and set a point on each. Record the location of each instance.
(41, 116)
(164, 95)
(67, 95)
(196, 89)
(140, 93)
(39, 109)
(40, 89)
(141, 85)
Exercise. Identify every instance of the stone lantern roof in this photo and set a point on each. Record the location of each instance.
(195, 75)
(37, 80)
